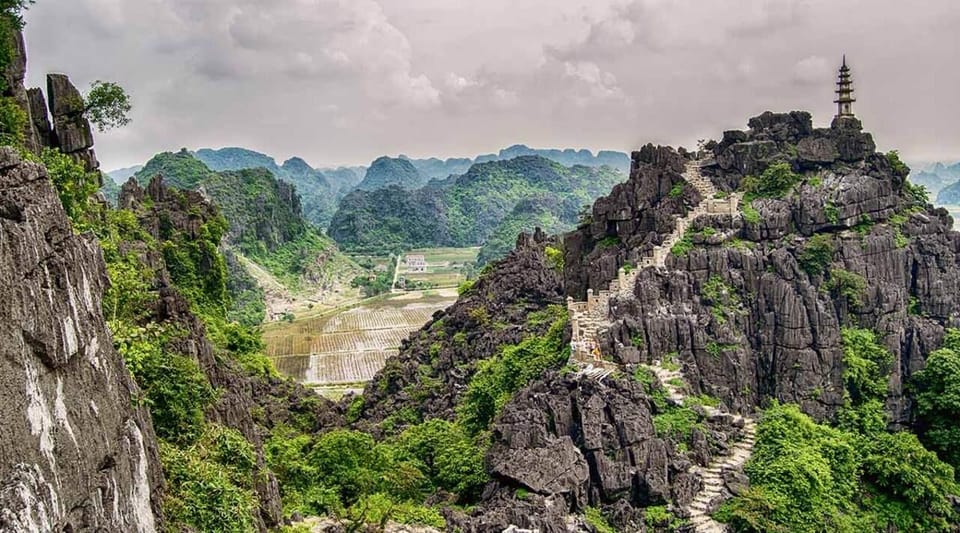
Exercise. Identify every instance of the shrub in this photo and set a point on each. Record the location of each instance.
(73, 183)
(13, 120)
(676, 423)
(938, 399)
(597, 521)
(775, 182)
(723, 300)
(683, 246)
(893, 156)
(465, 287)
(677, 190)
(750, 213)
(831, 213)
(210, 484)
(498, 377)
(817, 253)
(848, 285)
(866, 365)
(447, 455)
(554, 258)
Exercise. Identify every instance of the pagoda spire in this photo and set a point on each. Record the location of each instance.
(844, 91)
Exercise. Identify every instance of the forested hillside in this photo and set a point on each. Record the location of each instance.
(467, 210)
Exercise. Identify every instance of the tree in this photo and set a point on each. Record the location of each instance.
(938, 399)
(107, 105)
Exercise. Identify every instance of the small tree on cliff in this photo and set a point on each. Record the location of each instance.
(107, 105)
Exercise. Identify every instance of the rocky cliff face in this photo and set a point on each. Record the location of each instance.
(784, 340)
(80, 455)
(741, 307)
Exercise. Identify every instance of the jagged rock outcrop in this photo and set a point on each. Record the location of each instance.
(783, 338)
(572, 442)
(741, 308)
(76, 451)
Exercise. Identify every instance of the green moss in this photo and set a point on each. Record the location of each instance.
(677, 190)
(597, 521)
(750, 213)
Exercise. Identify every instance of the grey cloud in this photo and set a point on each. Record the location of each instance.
(343, 81)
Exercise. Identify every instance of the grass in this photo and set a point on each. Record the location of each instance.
(750, 213)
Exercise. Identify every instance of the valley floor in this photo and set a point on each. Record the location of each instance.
(338, 351)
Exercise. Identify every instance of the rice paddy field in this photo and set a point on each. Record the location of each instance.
(339, 352)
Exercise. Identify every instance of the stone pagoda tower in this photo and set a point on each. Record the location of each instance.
(845, 97)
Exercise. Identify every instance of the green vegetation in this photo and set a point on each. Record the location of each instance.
(750, 213)
(831, 213)
(808, 477)
(541, 211)
(597, 521)
(210, 484)
(866, 365)
(848, 285)
(659, 518)
(817, 253)
(107, 105)
(723, 299)
(676, 423)
(554, 257)
(683, 246)
(74, 185)
(893, 156)
(489, 205)
(938, 399)
(811, 477)
(677, 190)
(775, 182)
(498, 377)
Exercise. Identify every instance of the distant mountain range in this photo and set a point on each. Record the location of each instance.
(487, 206)
(322, 189)
(942, 180)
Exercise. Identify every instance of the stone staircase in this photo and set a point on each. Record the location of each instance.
(697, 511)
(591, 318)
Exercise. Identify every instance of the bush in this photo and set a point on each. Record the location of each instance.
(13, 120)
(683, 246)
(554, 257)
(498, 377)
(848, 285)
(210, 484)
(597, 521)
(677, 190)
(465, 287)
(866, 365)
(723, 299)
(750, 213)
(447, 454)
(775, 182)
(817, 253)
(73, 183)
(938, 399)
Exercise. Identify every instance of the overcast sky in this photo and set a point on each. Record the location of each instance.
(341, 82)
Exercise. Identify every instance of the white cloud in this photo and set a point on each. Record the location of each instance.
(812, 70)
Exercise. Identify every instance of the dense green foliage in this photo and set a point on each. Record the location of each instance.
(107, 105)
(498, 377)
(180, 170)
(775, 182)
(938, 400)
(491, 202)
(816, 254)
(210, 484)
(73, 183)
(857, 477)
(848, 285)
(348, 474)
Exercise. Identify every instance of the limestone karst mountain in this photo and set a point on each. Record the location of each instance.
(766, 303)
(488, 205)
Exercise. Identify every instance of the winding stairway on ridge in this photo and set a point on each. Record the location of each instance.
(591, 318)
